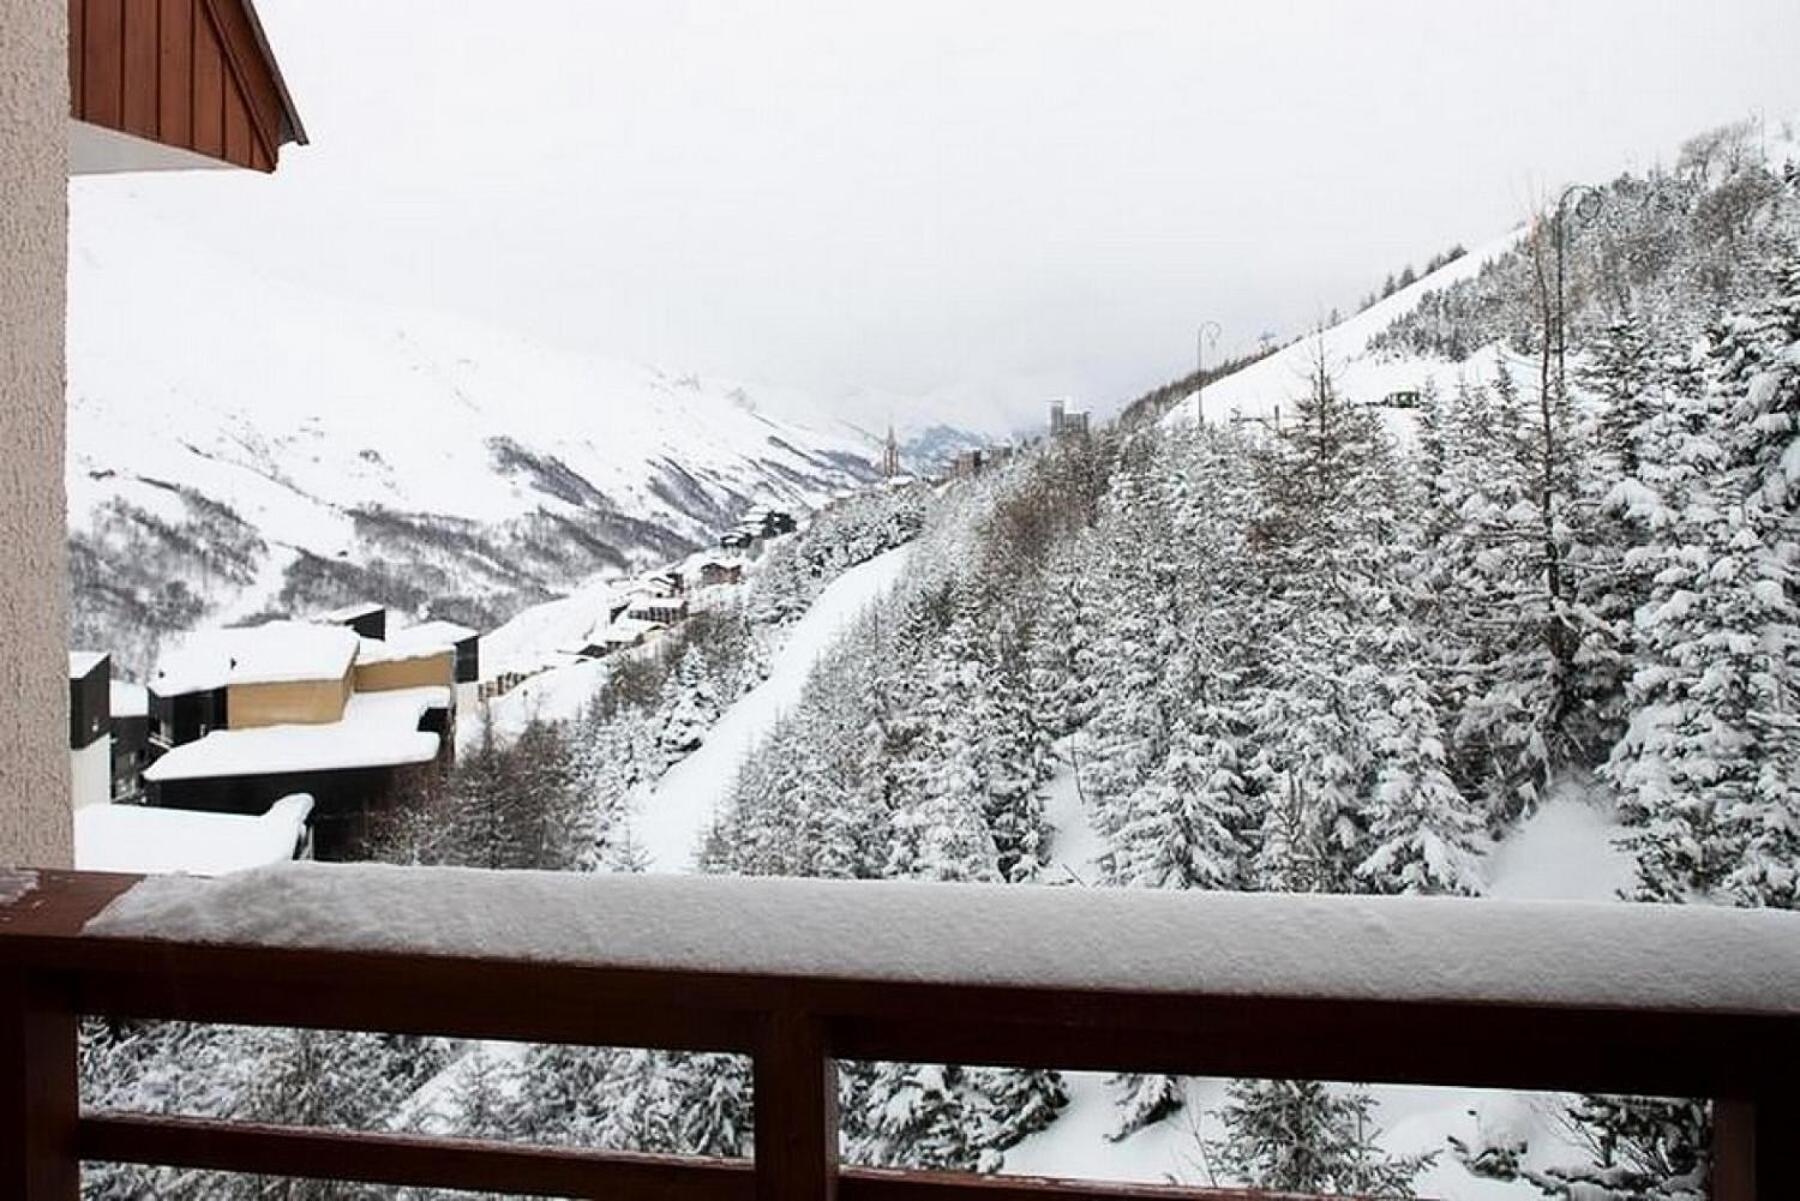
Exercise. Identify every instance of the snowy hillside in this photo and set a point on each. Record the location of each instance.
(1363, 373)
(312, 450)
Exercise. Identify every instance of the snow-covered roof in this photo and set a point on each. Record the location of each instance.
(278, 652)
(148, 840)
(625, 631)
(351, 612)
(374, 650)
(1690, 957)
(379, 729)
(82, 663)
(130, 700)
(432, 633)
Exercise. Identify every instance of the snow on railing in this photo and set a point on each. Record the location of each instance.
(1236, 944)
(1616, 998)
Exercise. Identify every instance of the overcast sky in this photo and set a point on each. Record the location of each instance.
(998, 200)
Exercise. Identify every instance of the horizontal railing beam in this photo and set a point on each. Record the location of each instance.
(1468, 1044)
(879, 1184)
(414, 1161)
(411, 1160)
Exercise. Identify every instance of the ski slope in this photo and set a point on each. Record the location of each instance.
(672, 818)
(1363, 375)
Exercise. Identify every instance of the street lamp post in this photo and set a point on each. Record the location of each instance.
(1588, 202)
(1208, 334)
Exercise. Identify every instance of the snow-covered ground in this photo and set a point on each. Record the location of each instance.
(671, 820)
(1363, 375)
(1566, 851)
(1076, 846)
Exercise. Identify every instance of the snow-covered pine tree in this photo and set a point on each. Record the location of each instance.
(1143, 1099)
(1709, 772)
(1300, 1136)
(1619, 375)
(916, 1115)
(1012, 1104)
(1760, 372)
(1641, 1148)
(1424, 832)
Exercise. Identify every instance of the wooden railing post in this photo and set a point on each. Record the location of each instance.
(39, 1101)
(796, 1110)
(1753, 1151)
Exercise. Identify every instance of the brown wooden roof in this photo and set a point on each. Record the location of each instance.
(196, 75)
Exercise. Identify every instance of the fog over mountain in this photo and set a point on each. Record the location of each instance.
(937, 211)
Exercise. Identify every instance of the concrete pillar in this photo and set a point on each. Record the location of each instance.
(36, 824)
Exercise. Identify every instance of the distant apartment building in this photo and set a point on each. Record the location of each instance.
(1066, 422)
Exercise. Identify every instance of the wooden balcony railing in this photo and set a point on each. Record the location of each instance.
(1625, 999)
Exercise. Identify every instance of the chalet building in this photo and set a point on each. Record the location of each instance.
(130, 704)
(667, 583)
(306, 708)
(771, 523)
(464, 642)
(391, 666)
(109, 732)
(628, 632)
(759, 523)
(368, 620)
(281, 673)
(657, 610)
(714, 572)
(90, 728)
(382, 747)
(620, 633)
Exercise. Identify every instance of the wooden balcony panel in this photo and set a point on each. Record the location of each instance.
(794, 1025)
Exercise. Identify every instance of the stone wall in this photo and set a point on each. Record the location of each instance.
(35, 812)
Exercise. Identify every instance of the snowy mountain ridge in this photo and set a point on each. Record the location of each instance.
(308, 449)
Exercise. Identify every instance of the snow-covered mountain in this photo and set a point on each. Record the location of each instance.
(1361, 369)
(238, 445)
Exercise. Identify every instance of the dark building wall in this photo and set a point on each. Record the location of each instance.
(343, 801)
(90, 705)
(372, 624)
(191, 715)
(131, 746)
(468, 661)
